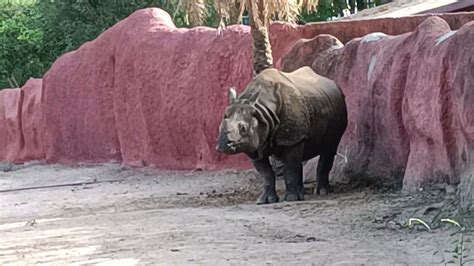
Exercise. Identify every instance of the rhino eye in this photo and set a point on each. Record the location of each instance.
(242, 127)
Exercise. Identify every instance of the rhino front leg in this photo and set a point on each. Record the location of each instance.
(293, 172)
(269, 194)
(277, 166)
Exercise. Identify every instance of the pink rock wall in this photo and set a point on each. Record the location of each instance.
(21, 123)
(148, 93)
(410, 100)
(32, 125)
(10, 119)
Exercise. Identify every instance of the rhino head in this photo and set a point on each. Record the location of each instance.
(239, 129)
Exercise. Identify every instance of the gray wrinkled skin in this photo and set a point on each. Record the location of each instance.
(292, 117)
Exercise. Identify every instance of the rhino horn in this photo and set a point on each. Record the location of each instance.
(232, 95)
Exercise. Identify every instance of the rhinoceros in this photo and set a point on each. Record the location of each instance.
(292, 116)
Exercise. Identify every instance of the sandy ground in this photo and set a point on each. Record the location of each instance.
(114, 215)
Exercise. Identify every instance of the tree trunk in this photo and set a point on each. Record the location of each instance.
(339, 6)
(361, 5)
(262, 51)
(352, 4)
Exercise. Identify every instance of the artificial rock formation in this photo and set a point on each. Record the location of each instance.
(21, 123)
(410, 99)
(147, 93)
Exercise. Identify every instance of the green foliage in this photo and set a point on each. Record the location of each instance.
(72, 22)
(21, 40)
(35, 33)
(324, 13)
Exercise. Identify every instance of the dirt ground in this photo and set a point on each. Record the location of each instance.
(114, 215)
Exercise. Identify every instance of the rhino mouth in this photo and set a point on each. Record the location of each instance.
(234, 145)
(230, 147)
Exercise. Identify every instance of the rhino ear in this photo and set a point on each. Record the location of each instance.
(232, 95)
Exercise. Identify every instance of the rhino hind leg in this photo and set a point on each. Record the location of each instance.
(324, 167)
(269, 194)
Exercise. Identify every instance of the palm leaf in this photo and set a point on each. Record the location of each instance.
(261, 13)
(282, 10)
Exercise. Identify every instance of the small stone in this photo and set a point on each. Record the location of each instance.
(449, 189)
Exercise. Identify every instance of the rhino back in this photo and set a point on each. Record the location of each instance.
(323, 98)
(307, 104)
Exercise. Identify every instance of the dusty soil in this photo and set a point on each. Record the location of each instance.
(113, 215)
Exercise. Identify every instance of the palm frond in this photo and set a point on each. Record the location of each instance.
(242, 6)
(285, 10)
(223, 10)
(260, 11)
(195, 11)
(309, 5)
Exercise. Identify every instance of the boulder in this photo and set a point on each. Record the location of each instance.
(410, 102)
(32, 123)
(11, 135)
(146, 93)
